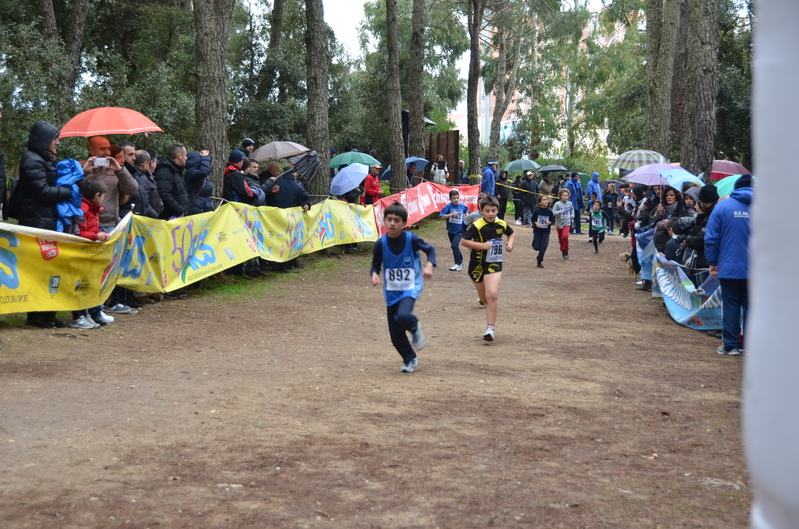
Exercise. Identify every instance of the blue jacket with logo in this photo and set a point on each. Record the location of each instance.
(488, 183)
(727, 235)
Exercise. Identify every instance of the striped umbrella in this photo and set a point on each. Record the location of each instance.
(638, 158)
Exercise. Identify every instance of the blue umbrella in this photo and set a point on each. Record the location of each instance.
(678, 176)
(348, 178)
(386, 174)
(421, 163)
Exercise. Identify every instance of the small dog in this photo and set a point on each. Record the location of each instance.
(625, 258)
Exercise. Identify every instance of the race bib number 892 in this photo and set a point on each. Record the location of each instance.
(400, 279)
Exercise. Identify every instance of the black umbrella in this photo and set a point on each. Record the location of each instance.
(604, 183)
(552, 169)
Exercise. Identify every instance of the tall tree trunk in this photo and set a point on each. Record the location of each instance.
(504, 88)
(396, 150)
(662, 22)
(317, 61)
(212, 23)
(535, 136)
(72, 44)
(678, 88)
(416, 137)
(276, 25)
(474, 19)
(701, 86)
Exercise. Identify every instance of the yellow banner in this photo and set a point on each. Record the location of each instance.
(45, 270)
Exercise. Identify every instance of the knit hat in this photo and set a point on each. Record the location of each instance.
(709, 194)
(235, 156)
(246, 142)
(693, 192)
(743, 181)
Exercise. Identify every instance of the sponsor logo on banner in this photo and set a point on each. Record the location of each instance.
(423, 200)
(55, 282)
(49, 249)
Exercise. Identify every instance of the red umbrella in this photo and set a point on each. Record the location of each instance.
(108, 120)
(724, 168)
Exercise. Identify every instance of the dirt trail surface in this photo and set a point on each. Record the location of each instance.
(285, 407)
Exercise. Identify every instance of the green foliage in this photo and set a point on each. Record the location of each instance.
(733, 104)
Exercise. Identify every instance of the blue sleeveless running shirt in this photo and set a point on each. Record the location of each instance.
(402, 274)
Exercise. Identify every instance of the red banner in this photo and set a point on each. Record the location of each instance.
(425, 199)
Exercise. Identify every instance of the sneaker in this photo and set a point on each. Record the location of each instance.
(415, 362)
(518, 222)
(454, 268)
(540, 265)
(407, 368)
(102, 318)
(83, 323)
(418, 341)
(146, 300)
(565, 255)
(731, 352)
(489, 334)
(480, 301)
(460, 267)
(639, 283)
(596, 251)
(119, 308)
(590, 239)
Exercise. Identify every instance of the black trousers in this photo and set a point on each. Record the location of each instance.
(540, 243)
(401, 321)
(503, 207)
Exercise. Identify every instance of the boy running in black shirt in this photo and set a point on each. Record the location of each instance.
(484, 239)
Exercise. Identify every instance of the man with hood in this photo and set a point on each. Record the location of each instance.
(38, 195)
(198, 186)
(727, 254)
(488, 183)
(593, 187)
(576, 197)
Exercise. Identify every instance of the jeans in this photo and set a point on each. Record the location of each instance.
(528, 215)
(611, 214)
(401, 321)
(577, 221)
(734, 306)
(455, 241)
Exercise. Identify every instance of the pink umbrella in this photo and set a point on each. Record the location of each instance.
(108, 120)
(724, 168)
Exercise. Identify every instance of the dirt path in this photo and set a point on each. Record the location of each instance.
(285, 407)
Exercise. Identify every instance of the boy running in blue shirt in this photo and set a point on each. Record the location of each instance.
(455, 212)
(398, 253)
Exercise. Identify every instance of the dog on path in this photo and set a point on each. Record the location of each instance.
(625, 258)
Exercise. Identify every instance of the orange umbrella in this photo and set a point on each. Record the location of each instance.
(108, 120)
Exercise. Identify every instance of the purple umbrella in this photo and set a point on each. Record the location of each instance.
(650, 175)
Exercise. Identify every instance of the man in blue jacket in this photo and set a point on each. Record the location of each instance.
(593, 187)
(727, 254)
(488, 183)
(576, 197)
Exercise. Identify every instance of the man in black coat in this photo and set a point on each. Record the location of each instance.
(171, 187)
(530, 198)
(38, 195)
(289, 194)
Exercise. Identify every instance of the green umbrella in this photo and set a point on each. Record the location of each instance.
(352, 157)
(522, 165)
(725, 186)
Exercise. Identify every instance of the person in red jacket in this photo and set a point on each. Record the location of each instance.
(372, 185)
(95, 189)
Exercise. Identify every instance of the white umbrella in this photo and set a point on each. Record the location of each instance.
(278, 149)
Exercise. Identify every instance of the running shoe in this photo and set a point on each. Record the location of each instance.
(418, 341)
(489, 334)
